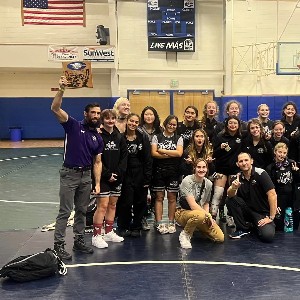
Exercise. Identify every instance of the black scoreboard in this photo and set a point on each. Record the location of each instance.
(171, 25)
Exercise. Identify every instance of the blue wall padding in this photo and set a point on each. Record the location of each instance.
(35, 118)
(37, 121)
(255, 101)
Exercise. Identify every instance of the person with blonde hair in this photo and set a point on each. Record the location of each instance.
(208, 121)
(263, 112)
(122, 109)
(283, 172)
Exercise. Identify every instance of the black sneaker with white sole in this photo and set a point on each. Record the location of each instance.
(238, 234)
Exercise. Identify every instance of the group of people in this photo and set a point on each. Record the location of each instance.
(200, 165)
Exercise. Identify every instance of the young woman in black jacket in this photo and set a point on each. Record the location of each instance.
(256, 145)
(114, 164)
(227, 146)
(133, 201)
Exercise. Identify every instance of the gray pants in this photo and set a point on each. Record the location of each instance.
(244, 216)
(75, 188)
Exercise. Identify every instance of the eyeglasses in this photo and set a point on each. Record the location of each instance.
(172, 125)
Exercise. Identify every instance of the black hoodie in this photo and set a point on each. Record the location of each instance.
(114, 156)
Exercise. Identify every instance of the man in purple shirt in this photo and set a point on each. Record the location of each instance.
(83, 148)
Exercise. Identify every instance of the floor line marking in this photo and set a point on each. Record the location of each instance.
(28, 202)
(186, 262)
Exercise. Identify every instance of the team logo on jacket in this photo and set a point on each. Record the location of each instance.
(110, 146)
(238, 140)
(285, 177)
(260, 150)
(94, 138)
(187, 134)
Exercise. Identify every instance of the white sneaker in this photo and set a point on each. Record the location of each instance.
(98, 242)
(185, 240)
(162, 228)
(113, 237)
(230, 221)
(171, 228)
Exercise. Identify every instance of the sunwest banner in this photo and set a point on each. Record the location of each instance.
(99, 54)
(60, 53)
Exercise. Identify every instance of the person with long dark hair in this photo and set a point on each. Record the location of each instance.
(290, 119)
(256, 144)
(133, 201)
(278, 130)
(150, 125)
(166, 150)
(150, 122)
(188, 125)
(227, 146)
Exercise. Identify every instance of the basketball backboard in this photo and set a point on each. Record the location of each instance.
(288, 58)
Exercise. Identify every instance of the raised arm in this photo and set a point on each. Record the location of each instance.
(60, 114)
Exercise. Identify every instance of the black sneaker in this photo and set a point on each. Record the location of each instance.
(80, 246)
(238, 234)
(59, 248)
(123, 232)
(136, 233)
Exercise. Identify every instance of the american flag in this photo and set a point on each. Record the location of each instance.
(53, 12)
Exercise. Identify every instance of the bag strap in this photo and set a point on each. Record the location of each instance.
(201, 190)
(61, 267)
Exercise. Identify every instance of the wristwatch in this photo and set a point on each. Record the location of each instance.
(271, 218)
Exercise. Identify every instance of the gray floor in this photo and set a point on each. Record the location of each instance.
(28, 187)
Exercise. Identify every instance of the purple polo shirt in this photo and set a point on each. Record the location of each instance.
(81, 143)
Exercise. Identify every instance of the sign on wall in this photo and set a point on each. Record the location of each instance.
(63, 53)
(93, 53)
(171, 25)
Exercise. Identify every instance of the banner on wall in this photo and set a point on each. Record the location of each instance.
(98, 54)
(171, 25)
(63, 53)
(78, 74)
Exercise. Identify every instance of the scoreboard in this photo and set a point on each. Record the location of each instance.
(171, 25)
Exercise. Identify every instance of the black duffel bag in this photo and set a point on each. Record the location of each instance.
(34, 266)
